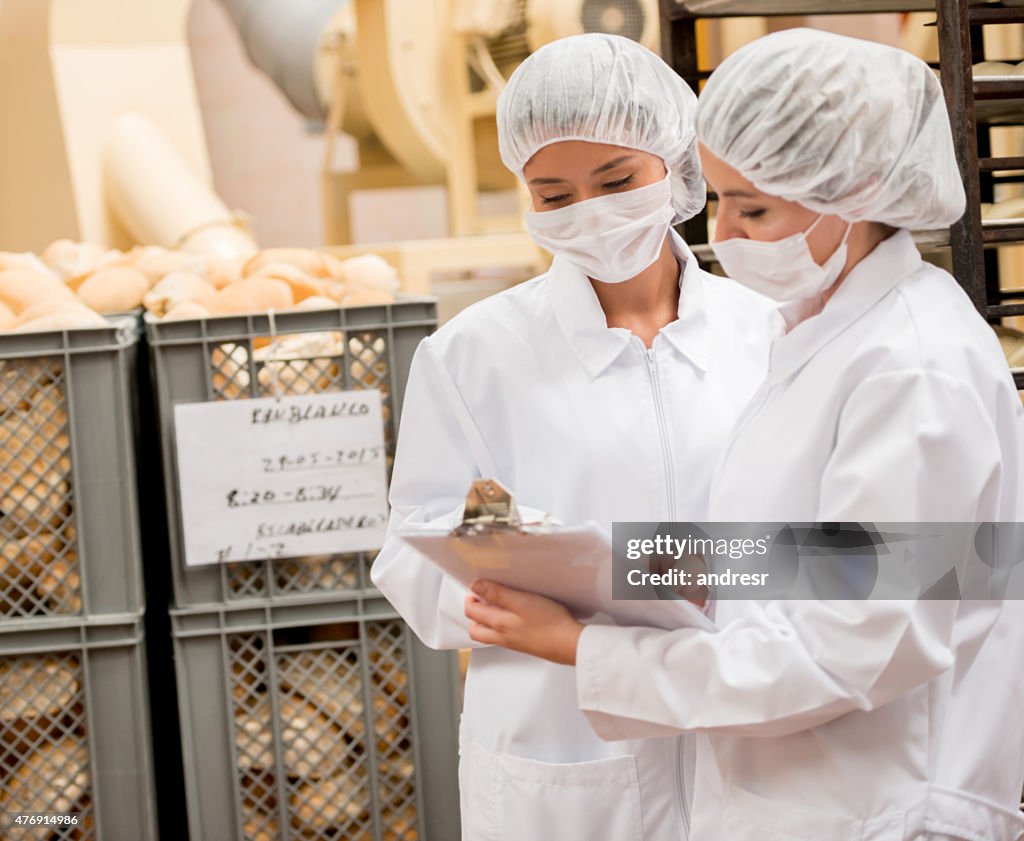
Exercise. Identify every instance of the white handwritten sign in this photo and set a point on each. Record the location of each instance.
(281, 478)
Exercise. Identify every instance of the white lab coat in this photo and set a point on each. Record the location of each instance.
(580, 420)
(851, 720)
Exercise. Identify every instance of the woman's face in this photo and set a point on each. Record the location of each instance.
(572, 171)
(744, 212)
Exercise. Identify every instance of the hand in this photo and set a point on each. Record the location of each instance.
(522, 622)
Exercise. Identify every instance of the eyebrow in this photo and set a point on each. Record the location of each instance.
(738, 194)
(603, 168)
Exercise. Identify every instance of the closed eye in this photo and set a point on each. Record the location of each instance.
(752, 214)
(554, 199)
(622, 182)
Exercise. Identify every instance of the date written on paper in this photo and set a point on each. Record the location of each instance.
(323, 460)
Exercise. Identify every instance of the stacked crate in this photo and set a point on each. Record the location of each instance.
(74, 719)
(308, 709)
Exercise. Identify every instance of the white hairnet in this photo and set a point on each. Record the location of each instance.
(604, 89)
(842, 126)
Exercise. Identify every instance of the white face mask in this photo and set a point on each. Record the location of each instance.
(783, 270)
(612, 238)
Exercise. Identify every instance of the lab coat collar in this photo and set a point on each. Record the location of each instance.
(870, 281)
(597, 345)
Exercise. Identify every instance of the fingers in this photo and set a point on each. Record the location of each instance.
(496, 594)
(488, 614)
(483, 634)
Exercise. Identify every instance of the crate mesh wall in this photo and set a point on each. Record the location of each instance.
(323, 736)
(39, 574)
(44, 753)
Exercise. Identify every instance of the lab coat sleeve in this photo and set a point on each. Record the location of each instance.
(439, 454)
(910, 447)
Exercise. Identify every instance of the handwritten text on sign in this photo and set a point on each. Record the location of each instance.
(281, 478)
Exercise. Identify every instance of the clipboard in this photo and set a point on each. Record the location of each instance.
(570, 564)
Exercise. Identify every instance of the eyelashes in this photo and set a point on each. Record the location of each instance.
(622, 182)
(752, 214)
(610, 185)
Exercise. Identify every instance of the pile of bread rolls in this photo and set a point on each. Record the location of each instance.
(74, 284)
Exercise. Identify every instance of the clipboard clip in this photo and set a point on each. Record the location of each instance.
(489, 507)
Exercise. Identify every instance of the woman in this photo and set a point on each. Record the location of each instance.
(600, 391)
(887, 400)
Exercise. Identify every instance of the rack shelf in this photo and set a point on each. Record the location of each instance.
(682, 9)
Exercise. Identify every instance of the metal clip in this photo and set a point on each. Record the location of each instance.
(489, 505)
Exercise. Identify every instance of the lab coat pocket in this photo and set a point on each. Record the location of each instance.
(749, 817)
(508, 798)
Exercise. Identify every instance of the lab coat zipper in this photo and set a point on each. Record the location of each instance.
(666, 450)
(659, 410)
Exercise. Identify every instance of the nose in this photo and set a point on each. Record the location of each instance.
(726, 226)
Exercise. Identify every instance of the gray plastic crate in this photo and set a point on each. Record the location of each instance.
(75, 730)
(69, 541)
(220, 359)
(316, 723)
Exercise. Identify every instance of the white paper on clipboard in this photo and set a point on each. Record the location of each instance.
(570, 564)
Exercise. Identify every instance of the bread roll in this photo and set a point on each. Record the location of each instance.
(370, 272)
(252, 295)
(186, 311)
(71, 259)
(115, 289)
(7, 316)
(66, 318)
(317, 302)
(313, 263)
(302, 285)
(48, 306)
(221, 271)
(156, 262)
(24, 260)
(177, 288)
(20, 288)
